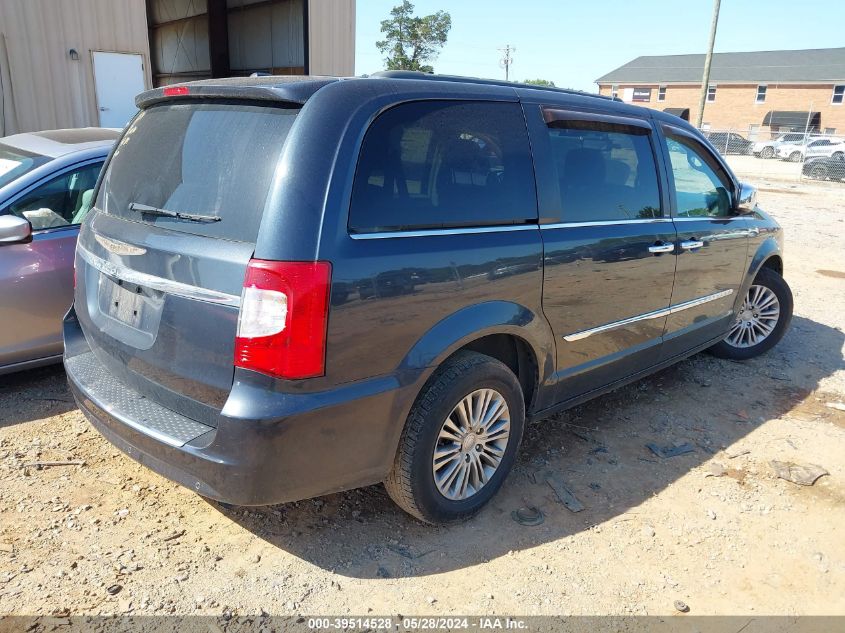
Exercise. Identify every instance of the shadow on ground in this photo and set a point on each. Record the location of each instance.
(33, 395)
(597, 448)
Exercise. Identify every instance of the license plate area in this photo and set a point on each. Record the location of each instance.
(129, 312)
(126, 303)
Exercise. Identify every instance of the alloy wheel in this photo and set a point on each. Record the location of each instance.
(757, 318)
(471, 444)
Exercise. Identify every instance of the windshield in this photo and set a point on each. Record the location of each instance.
(206, 159)
(15, 162)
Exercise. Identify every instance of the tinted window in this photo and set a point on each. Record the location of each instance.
(206, 159)
(606, 171)
(61, 201)
(701, 189)
(441, 164)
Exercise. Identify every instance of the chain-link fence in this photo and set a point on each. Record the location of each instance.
(781, 154)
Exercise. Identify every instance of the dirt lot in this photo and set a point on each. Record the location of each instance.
(714, 528)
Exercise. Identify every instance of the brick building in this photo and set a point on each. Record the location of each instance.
(758, 94)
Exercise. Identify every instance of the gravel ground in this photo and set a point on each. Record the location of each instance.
(714, 528)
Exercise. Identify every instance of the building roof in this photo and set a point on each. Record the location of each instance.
(810, 65)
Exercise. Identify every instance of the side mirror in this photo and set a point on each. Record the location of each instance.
(747, 200)
(14, 229)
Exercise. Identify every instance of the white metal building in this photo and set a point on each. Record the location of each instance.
(77, 63)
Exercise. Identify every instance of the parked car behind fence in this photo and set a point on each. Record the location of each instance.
(825, 168)
(730, 142)
(768, 148)
(829, 147)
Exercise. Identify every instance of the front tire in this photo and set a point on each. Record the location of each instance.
(460, 440)
(767, 152)
(762, 320)
(794, 157)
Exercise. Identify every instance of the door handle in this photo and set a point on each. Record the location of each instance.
(661, 247)
(690, 245)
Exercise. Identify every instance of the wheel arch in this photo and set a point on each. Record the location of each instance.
(768, 255)
(512, 333)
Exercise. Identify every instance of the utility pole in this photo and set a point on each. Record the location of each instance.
(507, 60)
(705, 81)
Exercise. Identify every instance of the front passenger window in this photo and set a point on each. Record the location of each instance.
(699, 189)
(62, 201)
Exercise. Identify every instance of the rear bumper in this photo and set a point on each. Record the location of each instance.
(268, 447)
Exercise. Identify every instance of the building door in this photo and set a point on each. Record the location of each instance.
(118, 77)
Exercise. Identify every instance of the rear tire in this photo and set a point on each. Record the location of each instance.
(415, 483)
(794, 157)
(754, 331)
(767, 152)
(838, 156)
(819, 172)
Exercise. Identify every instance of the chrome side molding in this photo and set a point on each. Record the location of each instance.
(656, 314)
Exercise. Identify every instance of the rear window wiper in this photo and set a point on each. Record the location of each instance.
(167, 213)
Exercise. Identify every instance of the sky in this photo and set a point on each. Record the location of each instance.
(573, 42)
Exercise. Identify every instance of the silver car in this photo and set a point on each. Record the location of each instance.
(46, 183)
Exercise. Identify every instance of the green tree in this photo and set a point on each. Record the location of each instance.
(540, 82)
(409, 40)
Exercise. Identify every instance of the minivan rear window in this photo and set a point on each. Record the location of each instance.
(206, 159)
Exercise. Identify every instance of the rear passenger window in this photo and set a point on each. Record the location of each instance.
(444, 164)
(606, 170)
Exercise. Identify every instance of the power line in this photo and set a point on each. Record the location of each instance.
(507, 60)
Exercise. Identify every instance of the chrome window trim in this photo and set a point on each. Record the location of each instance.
(175, 288)
(656, 314)
(700, 218)
(469, 230)
(565, 225)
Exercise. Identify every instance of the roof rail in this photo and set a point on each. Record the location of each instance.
(415, 74)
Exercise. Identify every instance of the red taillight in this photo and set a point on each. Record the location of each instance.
(283, 317)
(176, 91)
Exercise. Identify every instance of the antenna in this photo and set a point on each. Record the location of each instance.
(507, 60)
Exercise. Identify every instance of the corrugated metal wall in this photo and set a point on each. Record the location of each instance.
(179, 40)
(331, 37)
(41, 87)
(266, 37)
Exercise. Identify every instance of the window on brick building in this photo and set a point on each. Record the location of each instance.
(661, 93)
(711, 93)
(614, 91)
(838, 95)
(761, 94)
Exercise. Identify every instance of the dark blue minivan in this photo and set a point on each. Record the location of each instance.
(288, 287)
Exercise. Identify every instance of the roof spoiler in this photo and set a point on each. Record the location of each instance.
(293, 90)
